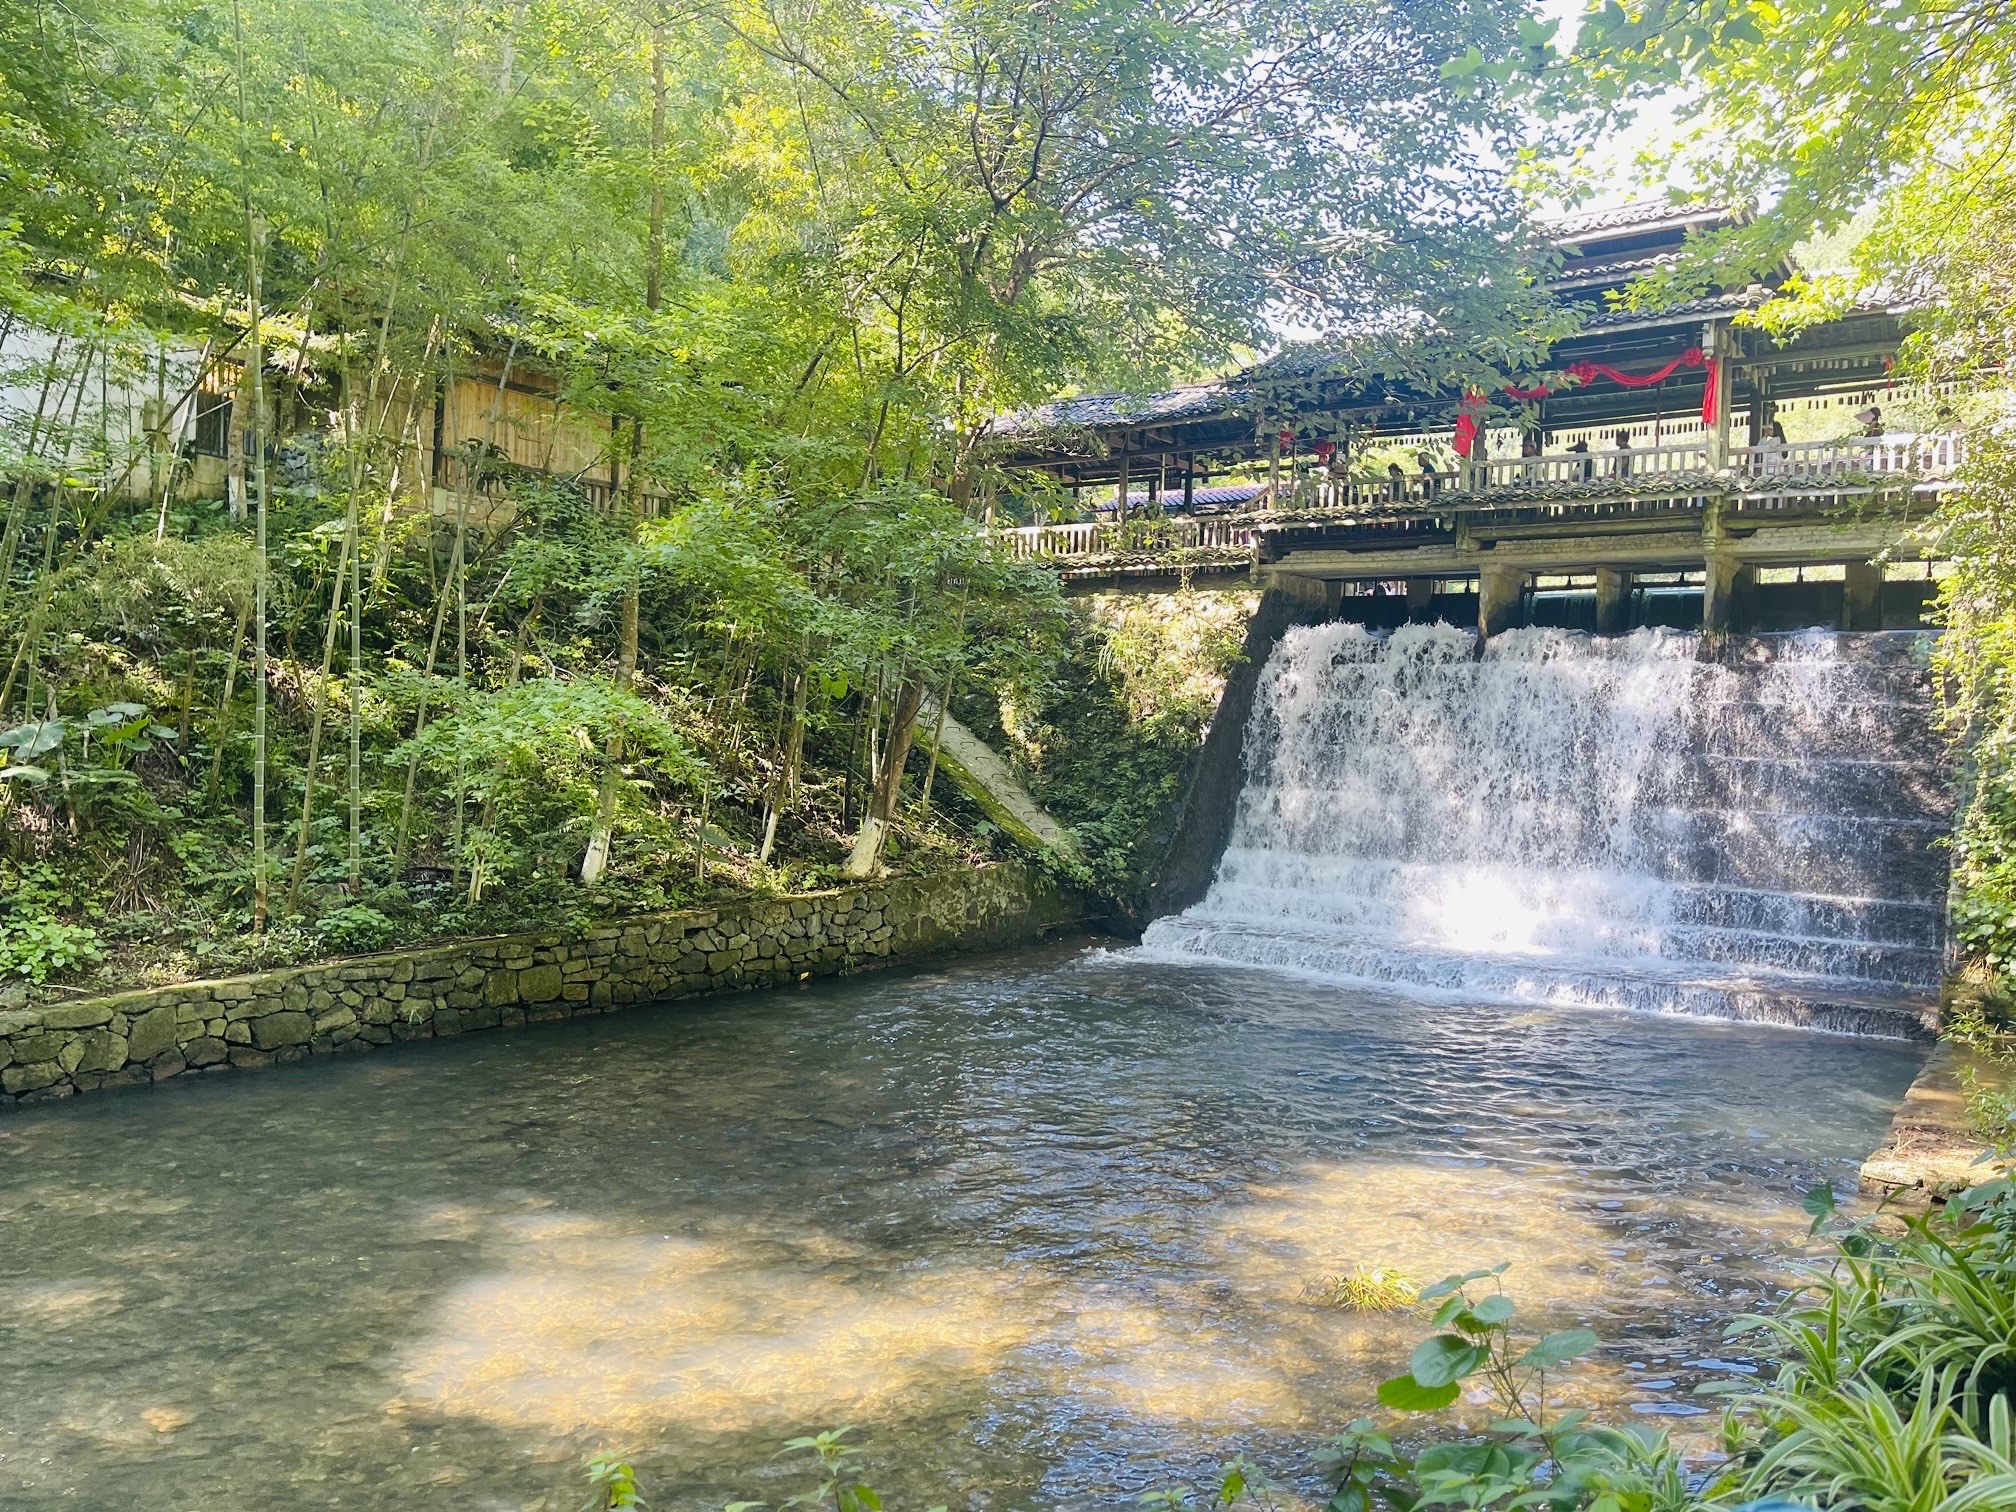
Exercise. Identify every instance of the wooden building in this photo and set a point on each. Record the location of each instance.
(1641, 479)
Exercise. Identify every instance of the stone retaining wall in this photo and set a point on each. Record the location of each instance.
(504, 981)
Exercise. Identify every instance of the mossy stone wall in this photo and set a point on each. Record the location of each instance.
(246, 1021)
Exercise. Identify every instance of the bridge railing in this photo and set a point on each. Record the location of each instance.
(1106, 538)
(1566, 483)
(1933, 455)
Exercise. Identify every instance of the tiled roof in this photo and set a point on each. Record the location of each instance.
(1192, 401)
(1692, 309)
(1610, 272)
(1639, 216)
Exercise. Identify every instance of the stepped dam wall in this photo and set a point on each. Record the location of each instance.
(1743, 827)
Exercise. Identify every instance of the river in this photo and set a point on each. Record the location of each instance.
(1047, 1229)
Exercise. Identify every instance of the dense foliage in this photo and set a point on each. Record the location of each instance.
(779, 265)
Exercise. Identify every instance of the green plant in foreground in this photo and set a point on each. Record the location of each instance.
(1894, 1391)
(836, 1466)
(614, 1485)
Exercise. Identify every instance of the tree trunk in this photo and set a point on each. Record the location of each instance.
(866, 858)
(786, 785)
(602, 835)
(601, 839)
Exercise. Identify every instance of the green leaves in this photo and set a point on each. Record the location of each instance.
(1559, 1349)
(1406, 1394)
(37, 737)
(1493, 1310)
(1451, 1284)
(1444, 1358)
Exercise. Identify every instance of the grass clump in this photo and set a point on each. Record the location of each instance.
(1370, 1289)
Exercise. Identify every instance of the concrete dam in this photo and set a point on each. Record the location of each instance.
(1740, 827)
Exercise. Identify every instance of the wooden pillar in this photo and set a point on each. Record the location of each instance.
(1613, 601)
(1189, 482)
(1717, 343)
(1499, 592)
(1862, 596)
(1120, 494)
(1420, 599)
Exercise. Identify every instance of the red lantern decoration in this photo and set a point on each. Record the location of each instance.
(1325, 450)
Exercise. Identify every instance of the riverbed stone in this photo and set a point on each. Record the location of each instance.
(18, 1079)
(152, 1032)
(540, 984)
(76, 1016)
(102, 1050)
(37, 1047)
(284, 1028)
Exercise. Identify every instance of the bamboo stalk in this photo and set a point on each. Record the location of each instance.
(339, 583)
(255, 234)
(224, 703)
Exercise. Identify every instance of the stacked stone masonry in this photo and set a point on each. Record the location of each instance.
(501, 982)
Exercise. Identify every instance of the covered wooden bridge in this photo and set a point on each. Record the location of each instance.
(1650, 482)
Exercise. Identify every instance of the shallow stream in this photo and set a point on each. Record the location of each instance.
(1048, 1229)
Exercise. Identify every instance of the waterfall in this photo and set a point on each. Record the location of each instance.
(1628, 821)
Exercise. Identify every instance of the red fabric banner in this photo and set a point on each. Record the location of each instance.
(1585, 373)
(1588, 372)
(1693, 357)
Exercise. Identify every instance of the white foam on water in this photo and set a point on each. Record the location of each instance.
(1570, 819)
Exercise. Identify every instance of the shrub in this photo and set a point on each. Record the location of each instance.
(355, 928)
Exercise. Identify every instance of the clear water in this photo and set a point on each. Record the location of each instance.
(1044, 1227)
(1597, 820)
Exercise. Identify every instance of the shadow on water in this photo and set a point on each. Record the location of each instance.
(1049, 1228)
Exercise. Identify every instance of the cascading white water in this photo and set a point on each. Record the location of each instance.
(1574, 819)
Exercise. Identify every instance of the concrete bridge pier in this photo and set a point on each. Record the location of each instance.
(1724, 578)
(1501, 591)
(1861, 596)
(1613, 601)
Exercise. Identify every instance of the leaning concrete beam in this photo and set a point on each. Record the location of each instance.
(985, 778)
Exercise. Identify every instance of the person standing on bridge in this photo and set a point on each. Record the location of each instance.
(1581, 449)
(1623, 441)
(1771, 449)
